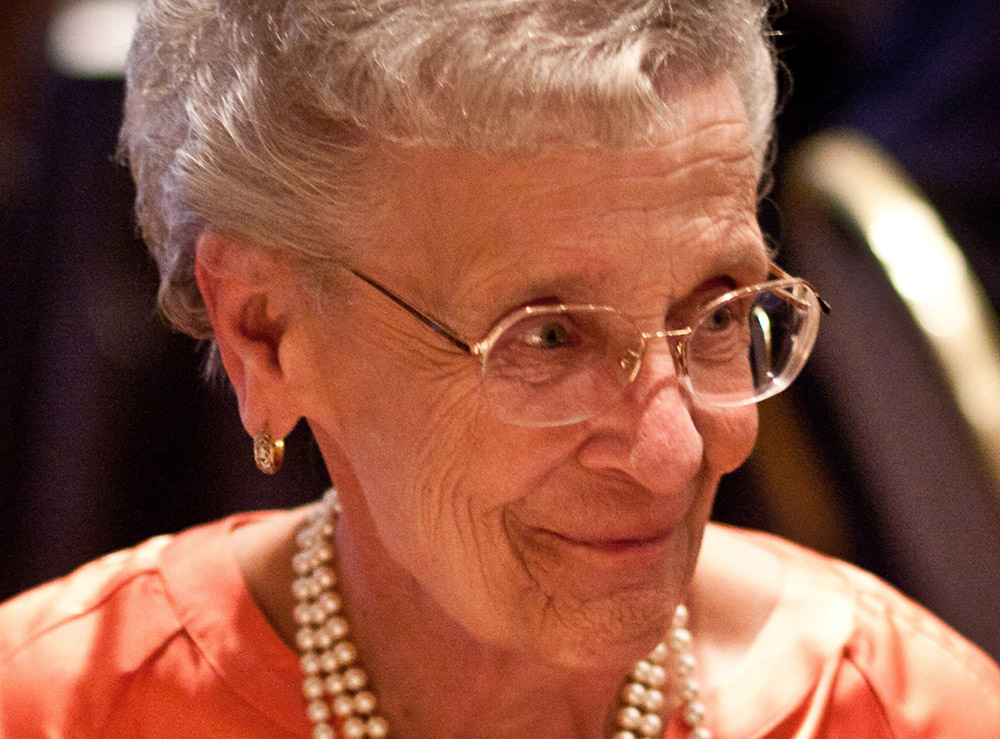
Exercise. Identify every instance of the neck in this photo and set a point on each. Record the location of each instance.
(435, 679)
(432, 677)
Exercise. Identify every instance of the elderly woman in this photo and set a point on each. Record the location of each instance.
(502, 256)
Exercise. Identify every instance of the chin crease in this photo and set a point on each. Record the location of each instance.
(605, 634)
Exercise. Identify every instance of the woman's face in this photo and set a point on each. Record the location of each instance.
(574, 542)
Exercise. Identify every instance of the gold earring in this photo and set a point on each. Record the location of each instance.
(268, 453)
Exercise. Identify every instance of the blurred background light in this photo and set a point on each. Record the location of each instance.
(90, 39)
(926, 268)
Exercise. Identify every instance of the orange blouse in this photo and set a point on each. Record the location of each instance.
(164, 641)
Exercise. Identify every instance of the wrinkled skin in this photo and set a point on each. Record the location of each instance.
(565, 548)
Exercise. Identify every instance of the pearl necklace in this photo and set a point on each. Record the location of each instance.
(336, 686)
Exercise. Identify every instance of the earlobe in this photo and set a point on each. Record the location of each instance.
(247, 296)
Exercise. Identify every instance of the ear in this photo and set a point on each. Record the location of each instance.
(249, 295)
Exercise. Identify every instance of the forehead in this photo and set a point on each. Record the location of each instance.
(459, 231)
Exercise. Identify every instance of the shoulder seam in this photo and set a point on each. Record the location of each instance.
(883, 711)
(97, 604)
(917, 621)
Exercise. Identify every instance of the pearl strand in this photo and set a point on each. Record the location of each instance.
(642, 696)
(336, 686)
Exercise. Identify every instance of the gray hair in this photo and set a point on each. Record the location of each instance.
(255, 118)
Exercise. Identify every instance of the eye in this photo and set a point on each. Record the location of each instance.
(720, 319)
(548, 335)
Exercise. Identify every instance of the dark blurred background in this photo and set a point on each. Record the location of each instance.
(108, 435)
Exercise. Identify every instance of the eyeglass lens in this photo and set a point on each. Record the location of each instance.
(557, 365)
(751, 347)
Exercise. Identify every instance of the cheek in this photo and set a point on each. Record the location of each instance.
(445, 472)
(427, 460)
(729, 435)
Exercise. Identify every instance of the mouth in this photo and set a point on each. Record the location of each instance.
(615, 563)
(613, 543)
(607, 548)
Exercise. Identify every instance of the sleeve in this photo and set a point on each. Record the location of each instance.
(70, 649)
(907, 671)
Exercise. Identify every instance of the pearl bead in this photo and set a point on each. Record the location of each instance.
(310, 664)
(334, 684)
(650, 725)
(700, 733)
(318, 711)
(323, 731)
(337, 627)
(641, 671)
(364, 702)
(353, 728)
(680, 618)
(355, 678)
(301, 614)
(328, 661)
(324, 577)
(328, 603)
(625, 735)
(312, 687)
(634, 694)
(377, 727)
(343, 705)
(345, 652)
(653, 700)
(694, 713)
(684, 665)
(689, 689)
(657, 676)
(316, 614)
(300, 587)
(659, 654)
(629, 717)
(305, 639)
(301, 564)
(322, 554)
(680, 639)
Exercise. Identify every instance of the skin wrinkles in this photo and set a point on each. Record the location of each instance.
(717, 228)
(577, 615)
(724, 171)
(718, 190)
(616, 612)
(439, 494)
(593, 283)
(442, 488)
(605, 605)
(719, 170)
(488, 536)
(409, 348)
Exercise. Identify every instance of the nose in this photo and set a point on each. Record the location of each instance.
(649, 434)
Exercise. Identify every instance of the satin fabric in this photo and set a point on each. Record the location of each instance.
(164, 640)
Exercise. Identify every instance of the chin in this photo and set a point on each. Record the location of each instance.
(608, 635)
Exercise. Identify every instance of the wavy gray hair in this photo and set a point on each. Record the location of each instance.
(254, 118)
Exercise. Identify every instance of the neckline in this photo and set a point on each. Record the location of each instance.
(809, 623)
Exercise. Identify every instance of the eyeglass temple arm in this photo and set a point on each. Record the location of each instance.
(423, 318)
(779, 272)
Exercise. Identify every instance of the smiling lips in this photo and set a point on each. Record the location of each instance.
(614, 544)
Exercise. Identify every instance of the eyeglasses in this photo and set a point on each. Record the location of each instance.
(554, 365)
